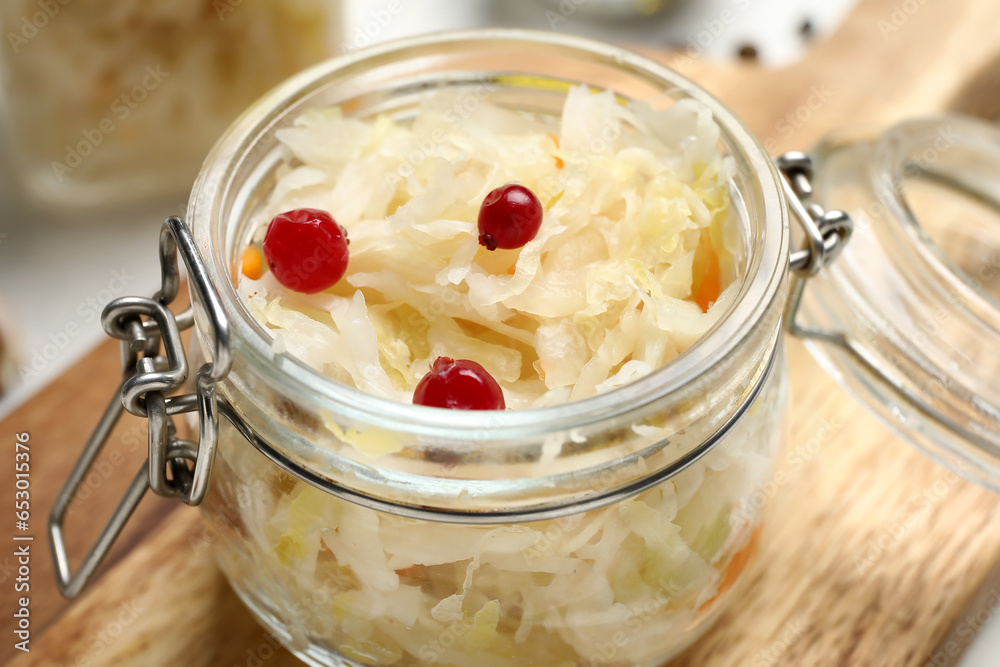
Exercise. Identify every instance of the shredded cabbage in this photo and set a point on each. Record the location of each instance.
(637, 578)
(608, 291)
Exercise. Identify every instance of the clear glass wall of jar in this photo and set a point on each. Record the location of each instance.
(610, 530)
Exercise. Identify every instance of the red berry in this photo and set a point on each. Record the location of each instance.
(306, 250)
(459, 384)
(509, 217)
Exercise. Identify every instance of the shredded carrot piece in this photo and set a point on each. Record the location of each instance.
(737, 565)
(417, 571)
(252, 263)
(559, 163)
(512, 269)
(707, 274)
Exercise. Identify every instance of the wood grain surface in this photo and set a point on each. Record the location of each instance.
(872, 554)
(59, 420)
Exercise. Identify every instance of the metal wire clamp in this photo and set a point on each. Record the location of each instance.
(175, 468)
(826, 234)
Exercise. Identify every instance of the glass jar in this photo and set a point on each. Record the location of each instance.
(107, 103)
(606, 531)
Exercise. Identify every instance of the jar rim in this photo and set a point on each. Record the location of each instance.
(911, 149)
(766, 266)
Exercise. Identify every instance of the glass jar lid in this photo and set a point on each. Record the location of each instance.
(908, 317)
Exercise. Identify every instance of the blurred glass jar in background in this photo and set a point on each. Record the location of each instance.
(107, 103)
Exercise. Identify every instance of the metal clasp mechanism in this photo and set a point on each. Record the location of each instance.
(175, 468)
(827, 232)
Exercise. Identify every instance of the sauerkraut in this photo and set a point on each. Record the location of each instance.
(634, 260)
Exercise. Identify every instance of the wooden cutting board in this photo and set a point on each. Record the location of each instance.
(872, 553)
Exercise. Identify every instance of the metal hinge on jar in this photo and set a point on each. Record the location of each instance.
(826, 234)
(178, 468)
(175, 468)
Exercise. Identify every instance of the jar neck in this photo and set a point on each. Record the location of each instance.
(535, 477)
